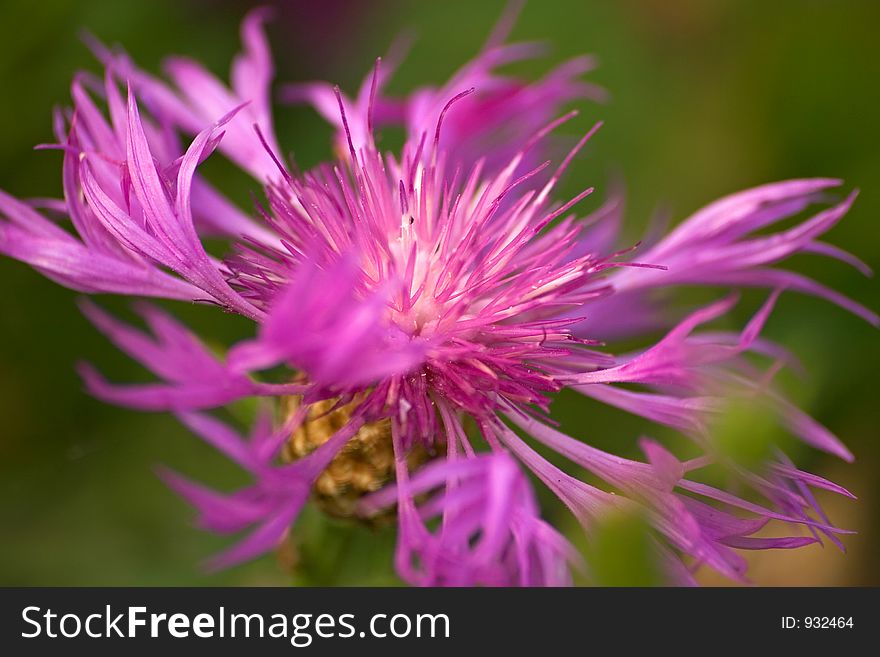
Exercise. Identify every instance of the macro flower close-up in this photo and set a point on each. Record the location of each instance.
(421, 331)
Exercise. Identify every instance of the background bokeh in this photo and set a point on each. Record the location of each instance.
(707, 98)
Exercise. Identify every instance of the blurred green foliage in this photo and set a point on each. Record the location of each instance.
(620, 552)
(707, 98)
(747, 433)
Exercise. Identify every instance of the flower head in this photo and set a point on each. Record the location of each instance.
(427, 305)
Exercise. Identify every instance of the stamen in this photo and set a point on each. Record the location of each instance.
(271, 153)
(345, 127)
(446, 107)
(371, 104)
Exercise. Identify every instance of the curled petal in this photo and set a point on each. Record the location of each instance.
(489, 532)
(319, 304)
(31, 238)
(193, 377)
(718, 245)
(269, 506)
(198, 98)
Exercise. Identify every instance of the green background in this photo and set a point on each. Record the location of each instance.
(707, 98)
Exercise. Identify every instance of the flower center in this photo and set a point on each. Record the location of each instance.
(365, 464)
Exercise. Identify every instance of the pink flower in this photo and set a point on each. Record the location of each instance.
(435, 300)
